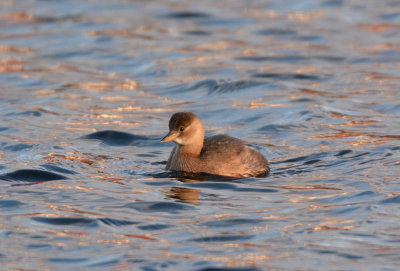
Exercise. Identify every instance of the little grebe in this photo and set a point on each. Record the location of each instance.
(219, 155)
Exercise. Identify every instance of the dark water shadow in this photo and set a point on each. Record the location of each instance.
(116, 222)
(282, 33)
(290, 58)
(184, 15)
(198, 33)
(31, 176)
(53, 19)
(222, 238)
(15, 147)
(29, 113)
(154, 227)
(159, 207)
(67, 221)
(189, 177)
(276, 32)
(391, 200)
(288, 76)
(116, 138)
(10, 204)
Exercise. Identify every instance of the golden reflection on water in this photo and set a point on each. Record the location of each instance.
(117, 242)
(256, 104)
(18, 17)
(382, 27)
(332, 226)
(68, 209)
(11, 65)
(106, 85)
(306, 17)
(130, 32)
(142, 236)
(15, 49)
(252, 259)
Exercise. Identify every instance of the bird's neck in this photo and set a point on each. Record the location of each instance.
(195, 145)
(192, 150)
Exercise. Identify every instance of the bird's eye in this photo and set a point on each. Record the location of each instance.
(182, 129)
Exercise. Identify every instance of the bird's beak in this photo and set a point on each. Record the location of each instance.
(170, 136)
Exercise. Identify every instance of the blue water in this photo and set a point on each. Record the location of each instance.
(86, 92)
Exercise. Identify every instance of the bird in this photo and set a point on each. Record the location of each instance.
(221, 155)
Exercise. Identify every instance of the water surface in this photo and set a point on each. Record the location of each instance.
(86, 92)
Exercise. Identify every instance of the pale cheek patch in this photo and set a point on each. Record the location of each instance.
(178, 141)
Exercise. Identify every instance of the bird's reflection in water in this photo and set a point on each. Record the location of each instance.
(183, 194)
(190, 195)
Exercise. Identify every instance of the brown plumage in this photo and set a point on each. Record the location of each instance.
(219, 155)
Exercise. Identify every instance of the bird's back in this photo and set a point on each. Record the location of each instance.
(229, 156)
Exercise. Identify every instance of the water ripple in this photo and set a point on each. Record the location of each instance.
(15, 147)
(222, 238)
(219, 87)
(31, 175)
(10, 204)
(288, 76)
(289, 59)
(116, 222)
(59, 169)
(88, 88)
(232, 222)
(67, 221)
(391, 200)
(116, 138)
(152, 206)
(154, 227)
(188, 15)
